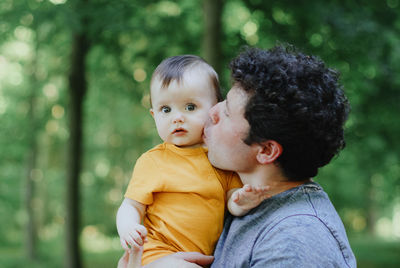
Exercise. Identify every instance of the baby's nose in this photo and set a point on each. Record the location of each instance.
(178, 118)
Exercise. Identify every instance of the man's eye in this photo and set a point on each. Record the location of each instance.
(165, 109)
(190, 107)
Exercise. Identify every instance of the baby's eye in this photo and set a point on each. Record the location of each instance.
(190, 107)
(165, 109)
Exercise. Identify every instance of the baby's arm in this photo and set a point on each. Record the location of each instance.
(131, 232)
(242, 200)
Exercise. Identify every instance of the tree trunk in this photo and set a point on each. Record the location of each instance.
(30, 229)
(212, 33)
(31, 232)
(77, 90)
(371, 210)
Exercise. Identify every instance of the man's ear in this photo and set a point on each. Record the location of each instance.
(151, 112)
(268, 152)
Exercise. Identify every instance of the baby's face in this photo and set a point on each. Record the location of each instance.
(181, 110)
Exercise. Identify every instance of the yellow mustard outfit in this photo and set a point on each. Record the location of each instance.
(185, 198)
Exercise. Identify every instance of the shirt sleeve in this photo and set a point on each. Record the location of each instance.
(300, 241)
(146, 179)
(228, 179)
(234, 181)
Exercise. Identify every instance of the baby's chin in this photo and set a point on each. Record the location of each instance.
(195, 145)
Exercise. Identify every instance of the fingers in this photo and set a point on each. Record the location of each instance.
(181, 260)
(135, 241)
(123, 262)
(195, 257)
(235, 196)
(266, 188)
(263, 188)
(256, 189)
(248, 192)
(131, 259)
(124, 244)
(247, 188)
(132, 242)
(142, 232)
(135, 258)
(137, 238)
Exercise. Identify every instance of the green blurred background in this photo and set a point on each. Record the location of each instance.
(48, 46)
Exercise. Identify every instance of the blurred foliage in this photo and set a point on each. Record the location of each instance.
(128, 39)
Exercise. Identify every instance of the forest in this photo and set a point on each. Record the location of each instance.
(74, 111)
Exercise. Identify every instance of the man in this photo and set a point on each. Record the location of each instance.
(282, 120)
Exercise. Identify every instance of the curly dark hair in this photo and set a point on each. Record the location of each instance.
(296, 101)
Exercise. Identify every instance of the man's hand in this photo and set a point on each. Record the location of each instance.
(177, 260)
(182, 260)
(131, 259)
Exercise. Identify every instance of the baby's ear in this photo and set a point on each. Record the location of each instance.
(151, 112)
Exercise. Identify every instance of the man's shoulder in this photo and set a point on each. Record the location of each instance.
(288, 208)
(302, 210)
(296, 225)
(298, 228)
(306, 200)
(306, 221)
(306, 240)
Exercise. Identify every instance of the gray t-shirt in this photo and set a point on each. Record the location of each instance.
(296, 228)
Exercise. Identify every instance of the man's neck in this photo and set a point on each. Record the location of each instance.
(270, 176)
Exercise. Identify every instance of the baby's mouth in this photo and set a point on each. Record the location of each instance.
(179, 130)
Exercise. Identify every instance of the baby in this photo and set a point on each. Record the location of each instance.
(176, 200)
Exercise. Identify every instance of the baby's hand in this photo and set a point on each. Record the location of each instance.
(132, 237)
(249, 197)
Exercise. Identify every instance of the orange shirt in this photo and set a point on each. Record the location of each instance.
(185, 198)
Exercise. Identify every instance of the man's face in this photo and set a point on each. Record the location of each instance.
(225, 132)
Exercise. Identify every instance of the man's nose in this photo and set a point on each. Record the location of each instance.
(213, 113)
(178, 118)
